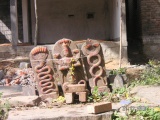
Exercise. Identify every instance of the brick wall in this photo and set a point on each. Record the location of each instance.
(150, 16)
(150, 20)
(5, 22)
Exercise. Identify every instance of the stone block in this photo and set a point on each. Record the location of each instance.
(29, 90)
(20, 101)
(24, 65)
(8, 91)
(83, 96)
(118, 82)
(53, 95)
(75, 88)
(69, 97)
(1, 74)
(99, 107)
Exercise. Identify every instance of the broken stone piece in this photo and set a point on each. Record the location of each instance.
(83, 96)
(99, 107)
(23, 101)
(69, 97)
(118, 82)
(24, 65)
(74, 88)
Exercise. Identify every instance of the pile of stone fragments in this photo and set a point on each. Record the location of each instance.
(17, 76)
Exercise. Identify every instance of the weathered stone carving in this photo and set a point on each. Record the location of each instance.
(66, 54)
(94, 65)
(69, 67)
(43, 70)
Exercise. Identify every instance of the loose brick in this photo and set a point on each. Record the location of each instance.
(69, 97)
(83, 96)
(99, 107)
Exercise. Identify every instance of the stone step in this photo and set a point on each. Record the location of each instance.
(70, 112)
(11, 91)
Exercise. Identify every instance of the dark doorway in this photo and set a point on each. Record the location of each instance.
(134, 32)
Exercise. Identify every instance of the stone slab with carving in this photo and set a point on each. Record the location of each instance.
(42, 65)
(94, 65)
(64, 53)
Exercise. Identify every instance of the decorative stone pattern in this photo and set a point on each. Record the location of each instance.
(43, 70)
(94, 65)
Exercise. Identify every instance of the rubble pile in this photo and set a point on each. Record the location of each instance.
(18, 77)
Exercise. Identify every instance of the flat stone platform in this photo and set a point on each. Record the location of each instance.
(66, 112)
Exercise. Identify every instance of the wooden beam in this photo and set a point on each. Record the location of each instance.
(14, 22)
(25, 21)
(123, 24)
(36, 26)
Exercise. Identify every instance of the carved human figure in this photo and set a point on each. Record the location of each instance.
(70, 70)
(66, 54)
(94, 65)
(43, 70)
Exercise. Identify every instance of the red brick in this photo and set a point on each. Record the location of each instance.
(99, 107)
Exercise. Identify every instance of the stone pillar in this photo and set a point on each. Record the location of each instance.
(14, 22)
(25, 21)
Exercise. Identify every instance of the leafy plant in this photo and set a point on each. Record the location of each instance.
(60, 99)
(96, 95)
(118, 71)
(72, 71)
(119, 94)
(4, 108)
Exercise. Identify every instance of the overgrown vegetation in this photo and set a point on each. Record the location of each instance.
(151, 75)
(138, 114)
(96, 95)
(4, 108)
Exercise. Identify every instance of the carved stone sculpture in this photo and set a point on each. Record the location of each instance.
(94, 65)
(70, 70)
(43, 69)
(66, 54)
